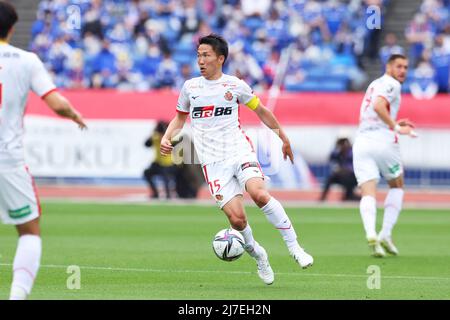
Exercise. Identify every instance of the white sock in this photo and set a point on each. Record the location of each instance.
(392, 208)
(25, 266)
(251, 246)
(368, 210)
(276, 215)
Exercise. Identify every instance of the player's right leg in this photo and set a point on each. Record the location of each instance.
(19, 206)
(391, 168)
(392, 208)
(227, 193)
(234, 210)
(367, 175)
(368, 211)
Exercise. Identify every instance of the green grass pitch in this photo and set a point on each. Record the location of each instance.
(164, 252)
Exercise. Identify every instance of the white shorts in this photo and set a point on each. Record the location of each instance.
(19, 202)
(372, 157)
(227, 178)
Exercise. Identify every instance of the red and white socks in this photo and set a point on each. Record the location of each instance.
(392, 208)
(368, 211)
(25, 266)
(277, 216)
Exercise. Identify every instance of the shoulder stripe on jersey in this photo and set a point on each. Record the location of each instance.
(48, 92)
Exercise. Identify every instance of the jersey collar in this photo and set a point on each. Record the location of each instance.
(213, 81)
(391, 77)
(3, 42)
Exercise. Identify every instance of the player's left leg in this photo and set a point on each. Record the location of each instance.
(235, 212)
(19, 206)
(27, 259)
(392, 207)
(277, 216)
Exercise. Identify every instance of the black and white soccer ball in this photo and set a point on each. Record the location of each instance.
(228, 244)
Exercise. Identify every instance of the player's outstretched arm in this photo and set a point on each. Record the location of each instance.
(407, 122)
(269, 119)
(61, 106)
(403, 126)
(173, 129)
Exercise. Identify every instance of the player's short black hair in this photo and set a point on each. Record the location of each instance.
(396, 56)
(218, 44)
(8, 17)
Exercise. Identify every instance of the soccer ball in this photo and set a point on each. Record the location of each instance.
(228, 244)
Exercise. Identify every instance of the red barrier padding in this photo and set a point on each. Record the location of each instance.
(291, 109)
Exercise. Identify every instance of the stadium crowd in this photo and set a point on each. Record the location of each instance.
(138, 45)
(145, 44)
(428, 35)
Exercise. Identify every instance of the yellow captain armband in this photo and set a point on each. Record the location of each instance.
(253, 103)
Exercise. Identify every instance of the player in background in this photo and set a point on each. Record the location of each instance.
(376, 150)
(20, 72)
(229, 162)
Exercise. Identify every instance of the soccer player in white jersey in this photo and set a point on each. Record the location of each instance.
(376, 150)
(229, 162)
(20, 72)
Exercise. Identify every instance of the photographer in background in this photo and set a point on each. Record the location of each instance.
(162, 165)
(341, 165)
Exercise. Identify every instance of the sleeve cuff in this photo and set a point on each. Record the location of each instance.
(48, 92)
(381, 96)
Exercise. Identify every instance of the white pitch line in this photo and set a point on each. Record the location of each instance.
(210, 203)
(335, 275)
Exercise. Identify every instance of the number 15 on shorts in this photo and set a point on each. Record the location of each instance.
(214, 185)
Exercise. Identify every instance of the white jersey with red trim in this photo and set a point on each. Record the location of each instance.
(20, 72)
(371, 124)
(213, 106)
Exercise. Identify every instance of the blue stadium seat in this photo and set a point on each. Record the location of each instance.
(325, 86)
(182, 58)
(184, 47)
(333, 86)
(303, 86)
(279, 33)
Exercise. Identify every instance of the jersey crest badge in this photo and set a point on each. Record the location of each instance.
(228, 96)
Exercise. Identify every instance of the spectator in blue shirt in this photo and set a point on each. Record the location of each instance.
(149, 64)
(440, 59)
(335, 13)
(167, 72)
(418, 32)
(423, 85)
(390, 47)
(105, 59)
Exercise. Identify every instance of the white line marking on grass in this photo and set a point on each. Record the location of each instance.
(304, 273)
(211, 203)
